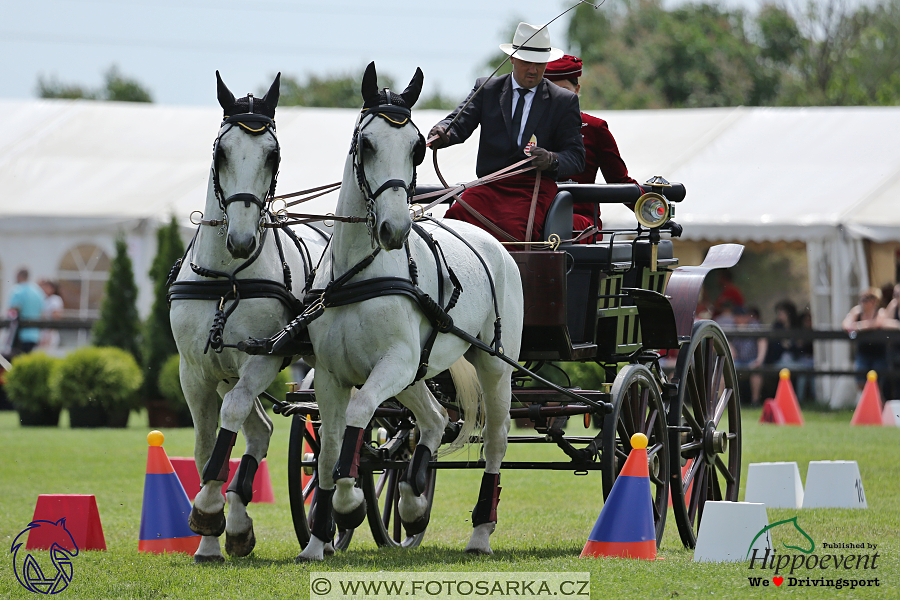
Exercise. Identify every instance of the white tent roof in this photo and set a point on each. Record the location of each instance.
(751, 173)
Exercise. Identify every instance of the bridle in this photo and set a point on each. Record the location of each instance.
(253, 124)
(395, 116)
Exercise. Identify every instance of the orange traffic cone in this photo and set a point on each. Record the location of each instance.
(868, 409)
(771, 413)
(786, 399)
(165, 511)
(625, 526)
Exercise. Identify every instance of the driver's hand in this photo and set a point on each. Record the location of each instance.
(442, 140)
(674, 228)
(542, 159)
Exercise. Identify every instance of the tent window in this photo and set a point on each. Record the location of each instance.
(82, 274)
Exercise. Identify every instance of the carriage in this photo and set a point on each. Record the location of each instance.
(621, 303)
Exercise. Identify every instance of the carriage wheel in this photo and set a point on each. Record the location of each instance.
(638, 408)
(382, 491)
(298, 490)
(705, 423)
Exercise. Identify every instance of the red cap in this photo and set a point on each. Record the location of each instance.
(567, 67)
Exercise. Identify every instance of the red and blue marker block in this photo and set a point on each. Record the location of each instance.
(625, 526)
(166, 508)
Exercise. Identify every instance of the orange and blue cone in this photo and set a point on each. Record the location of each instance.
(625, 526)
(166, 508)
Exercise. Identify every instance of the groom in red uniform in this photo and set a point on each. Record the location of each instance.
(514, 111)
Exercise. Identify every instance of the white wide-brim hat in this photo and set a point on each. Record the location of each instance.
(532, 44)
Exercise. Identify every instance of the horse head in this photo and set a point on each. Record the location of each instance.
(387, 147)
(246, 156)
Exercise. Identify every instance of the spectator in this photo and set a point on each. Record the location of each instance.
(730, 293)
(870, 355)
(803, 357)
(749, 353)
(25, 304)
(53, 307)
(889, 319)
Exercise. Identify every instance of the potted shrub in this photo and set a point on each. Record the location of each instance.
(28, 389)
(173, 410)
(98, 385)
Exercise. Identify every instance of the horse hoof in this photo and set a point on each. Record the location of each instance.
(240, 544)
(329, 549)
(479, 551)
(418, 526)
(304, 559)
(208, 559)
(351, 520)
(207, 523)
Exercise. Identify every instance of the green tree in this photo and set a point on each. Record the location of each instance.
(338, 91)
(119, 323)
(117, 87)
(159, 343)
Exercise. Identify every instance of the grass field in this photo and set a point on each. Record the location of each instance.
(545, 518)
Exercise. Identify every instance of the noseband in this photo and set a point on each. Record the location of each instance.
(395, 116)
(253, 124)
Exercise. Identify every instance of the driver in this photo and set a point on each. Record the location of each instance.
(519, 112)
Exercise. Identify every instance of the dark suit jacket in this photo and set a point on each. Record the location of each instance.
(554, 119)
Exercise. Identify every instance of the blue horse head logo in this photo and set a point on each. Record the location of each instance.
(30, 574)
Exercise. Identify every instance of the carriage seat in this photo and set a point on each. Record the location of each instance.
(559, 221)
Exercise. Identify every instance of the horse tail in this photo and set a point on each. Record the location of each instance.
(470, 399)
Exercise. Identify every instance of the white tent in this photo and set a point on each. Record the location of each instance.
(81, 171)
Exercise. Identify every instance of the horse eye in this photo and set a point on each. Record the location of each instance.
(220, 156)
(367, 144)
(272, 158)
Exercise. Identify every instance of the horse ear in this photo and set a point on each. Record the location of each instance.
(226, 98)
(411, 93)
(271, 97)
(370, 84)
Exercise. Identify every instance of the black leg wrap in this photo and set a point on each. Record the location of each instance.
(417, 473)
(322, 524)
(216, 468)
(485, 510)
(242, 484)
(348, 462)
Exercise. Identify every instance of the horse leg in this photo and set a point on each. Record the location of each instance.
(208, 510)
(239, 537)
(431, 419)
(332, 400)
(389, 377)
(495, 381)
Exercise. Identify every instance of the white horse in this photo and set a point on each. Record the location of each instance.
(376, 344)
(232, 286)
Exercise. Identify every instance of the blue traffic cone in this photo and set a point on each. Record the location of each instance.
(166, 508)
(625, 526)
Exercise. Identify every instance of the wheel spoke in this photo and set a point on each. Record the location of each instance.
(715, 489)
(697, 492)
(639, 418)
(688, 477)
(724, 400)
(720, 465)
(714, 380)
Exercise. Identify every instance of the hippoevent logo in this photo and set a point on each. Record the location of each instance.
(29, 572)
(808, 568)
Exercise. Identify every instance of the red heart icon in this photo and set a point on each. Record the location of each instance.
(777, 580)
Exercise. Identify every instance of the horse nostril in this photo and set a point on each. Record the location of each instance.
(385, 233)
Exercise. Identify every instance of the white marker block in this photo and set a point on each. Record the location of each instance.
(891, 414)
(834, 484)
(775, 484)
(727, 531)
